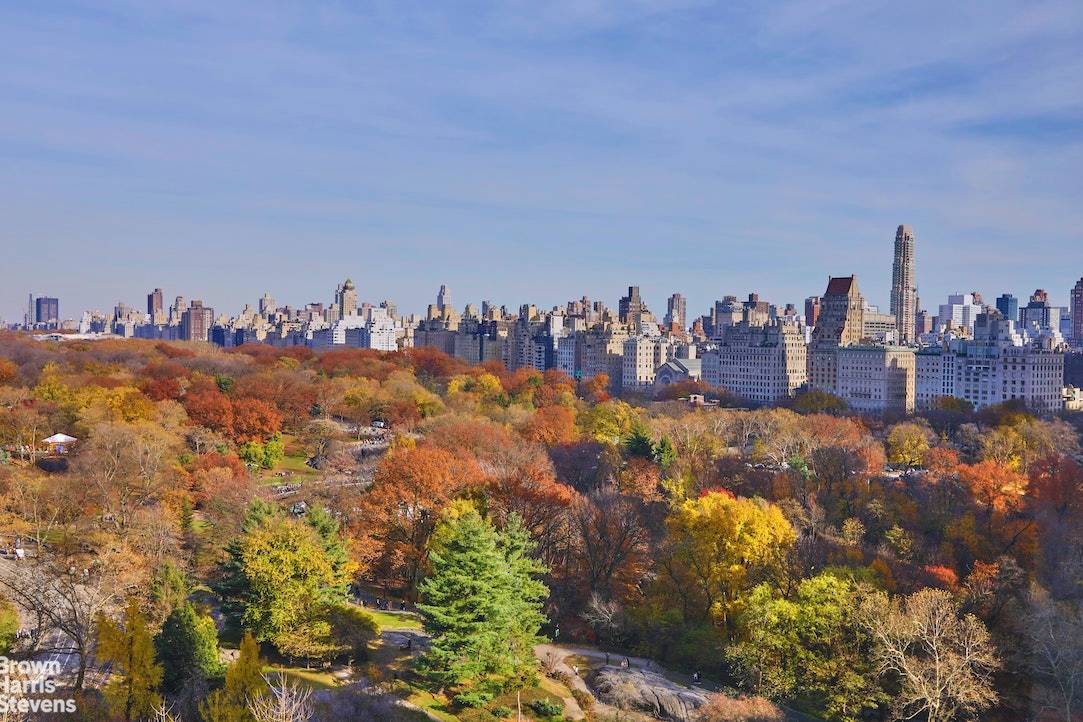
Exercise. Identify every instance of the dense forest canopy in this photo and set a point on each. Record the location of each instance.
(851, 568)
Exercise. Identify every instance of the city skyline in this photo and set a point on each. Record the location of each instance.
(684, 148)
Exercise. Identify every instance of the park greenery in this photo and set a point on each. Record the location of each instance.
(226, 512)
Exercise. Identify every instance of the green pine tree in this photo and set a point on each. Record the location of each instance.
(638, 443)
(187, 648)
(327, 526)
(526, 595)
(232, 584)
(132, 691)
(664, 454)
(467, 609)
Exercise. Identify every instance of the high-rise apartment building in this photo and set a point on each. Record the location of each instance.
(676, 312)
(812, 310)
(1008, 305)
(443, 299)
(904, 292)
(267, 305)
(46, 310)
(876, 378)
(346, 300)
(156, 306)
(196, 322)
(1038, 315)
(1077, 313)
(959, 313)
(997, 365)
(841, 323)
(630, 308)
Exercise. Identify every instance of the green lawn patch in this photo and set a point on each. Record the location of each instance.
(395, 620)
(313, 679)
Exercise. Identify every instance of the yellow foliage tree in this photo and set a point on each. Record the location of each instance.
(908, 443)
(719, 547)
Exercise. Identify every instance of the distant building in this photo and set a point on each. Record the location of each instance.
(267, 305)
(631, 307)
(876, 378)
(675, 313)
(346, 300)
(762, 363)
(812, 310)
(46, 311)
(156, 307)
(642, 355)
(678, 370)
(997, 365)
(196, 322)
(904, 292)
(1008, 305)
(841, 323)
(959, 313)
(878, 326)
(1038, 316)
(1077, 313)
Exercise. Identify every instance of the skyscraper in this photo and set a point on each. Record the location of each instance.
(675, 312)
(196, 322)
(1008, 305)
(1077, 313)
(841, 323)
(443, 299)
(812, 310)
(156, 307)
(46, 310)
(630, 307)
(903, 286)
(346, 299)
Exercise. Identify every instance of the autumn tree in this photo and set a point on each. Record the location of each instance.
(718, 545)
(1054, 637)
(908, 443)
(551, 425)
(809, 648)
(244, 681)
(132, 690)
(397, 514)
(290, 577)
(610, 545)
(941, 658)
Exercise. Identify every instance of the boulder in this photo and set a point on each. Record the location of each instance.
(641, 690)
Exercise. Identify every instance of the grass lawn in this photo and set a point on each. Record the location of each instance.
(395, 620)
(427, 701)
(312, 678)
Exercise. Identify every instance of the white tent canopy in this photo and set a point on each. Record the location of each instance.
(59, 439)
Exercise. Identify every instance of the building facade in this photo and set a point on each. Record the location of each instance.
(904, 292)
(876, 378)
(762, 363)
(997, 365)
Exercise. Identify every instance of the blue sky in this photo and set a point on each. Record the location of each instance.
(536, 151)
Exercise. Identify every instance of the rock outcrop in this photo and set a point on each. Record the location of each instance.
(641, 690)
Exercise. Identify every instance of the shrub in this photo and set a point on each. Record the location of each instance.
(546, 707)
(585, 700)
(745, 709)
(473, 698)
(502, 711)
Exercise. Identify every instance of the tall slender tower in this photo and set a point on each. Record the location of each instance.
(903, 288)
(1077, 314)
